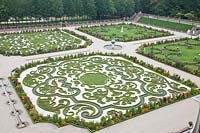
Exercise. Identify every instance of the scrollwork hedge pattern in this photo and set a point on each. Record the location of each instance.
(59, 89)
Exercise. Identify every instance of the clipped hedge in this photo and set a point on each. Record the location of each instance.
(105, 121)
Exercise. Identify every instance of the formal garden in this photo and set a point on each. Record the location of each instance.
(40, 41)
(166, 24)
(122, 32)
(63, 78)
(95, 91)
(183, 54)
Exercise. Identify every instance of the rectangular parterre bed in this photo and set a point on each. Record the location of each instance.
(44, 41)
(122, 32)
(166, 24)
(183, 54)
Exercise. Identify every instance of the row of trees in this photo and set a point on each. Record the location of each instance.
(187, 9)
(97, 8)
(58, 8)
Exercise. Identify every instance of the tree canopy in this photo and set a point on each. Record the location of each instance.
(97, 8)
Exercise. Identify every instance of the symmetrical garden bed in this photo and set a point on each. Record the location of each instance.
(31, 43)
(122, 32)
(95, 91)
(166, 24)
(183, 54)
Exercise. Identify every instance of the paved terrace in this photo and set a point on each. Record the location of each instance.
(165, 120)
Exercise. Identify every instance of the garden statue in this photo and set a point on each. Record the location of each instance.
(193, 32)
(113, 43)
(122, 29)
(188, 32)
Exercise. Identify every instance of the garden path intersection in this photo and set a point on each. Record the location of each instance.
(177, 114)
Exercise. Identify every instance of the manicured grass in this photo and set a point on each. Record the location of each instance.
(94, 79)
(30, 43)
(184, 54)
(166, 24)
(122, 32)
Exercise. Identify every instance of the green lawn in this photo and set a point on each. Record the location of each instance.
(31, 43)
(166, 24)
(184, 54)
(94, 79)
(122, 32)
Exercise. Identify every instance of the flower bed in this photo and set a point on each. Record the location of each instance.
(42, 41)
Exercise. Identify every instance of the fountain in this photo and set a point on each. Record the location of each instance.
(113, 43)
(113, 46)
